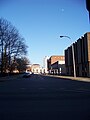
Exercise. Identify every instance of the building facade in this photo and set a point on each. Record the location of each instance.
(56, 65)
(36, 69)
(45, 64)
(58, 68)
(81, 55)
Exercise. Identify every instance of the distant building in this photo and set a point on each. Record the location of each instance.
(82, 57)
(36, 69)
(58, 68)
(56, 58)
(28, 68)
(45, 66)
(56, 64)
(88, 7)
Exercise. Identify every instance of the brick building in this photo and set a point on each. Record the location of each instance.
(82, 57)
(56, 64)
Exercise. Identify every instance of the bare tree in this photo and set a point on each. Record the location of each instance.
(21, 64)
(11, 44)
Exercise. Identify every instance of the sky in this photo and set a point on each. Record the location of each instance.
(41, 22)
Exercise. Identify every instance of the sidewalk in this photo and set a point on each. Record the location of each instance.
(83, 79)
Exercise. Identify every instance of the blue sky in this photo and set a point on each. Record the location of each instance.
(41, 22)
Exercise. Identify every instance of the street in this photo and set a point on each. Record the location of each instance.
(44, 98)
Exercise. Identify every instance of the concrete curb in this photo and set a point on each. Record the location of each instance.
(83, 79)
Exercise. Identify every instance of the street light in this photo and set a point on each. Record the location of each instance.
(88, 7)
(73, 56)
(65, 36)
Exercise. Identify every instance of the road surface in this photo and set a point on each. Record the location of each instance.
(44, 98)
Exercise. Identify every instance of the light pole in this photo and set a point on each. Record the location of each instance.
(88, 7)
(73, 54)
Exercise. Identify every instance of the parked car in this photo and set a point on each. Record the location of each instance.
(26, 75)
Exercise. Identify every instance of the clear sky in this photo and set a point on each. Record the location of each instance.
(41, 22)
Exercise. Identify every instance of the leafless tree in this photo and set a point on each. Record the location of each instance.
(21, 64)
(11, 44)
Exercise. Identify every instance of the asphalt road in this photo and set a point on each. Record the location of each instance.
(44, 98)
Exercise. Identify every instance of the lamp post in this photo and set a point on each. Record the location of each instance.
(73, 54)
(88, 7)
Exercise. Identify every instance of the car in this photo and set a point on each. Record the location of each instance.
(26, 75)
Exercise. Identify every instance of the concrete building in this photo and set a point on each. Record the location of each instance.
(56, 64)
(36, 69)
(58, 68)
(45, 64)
(82, 57)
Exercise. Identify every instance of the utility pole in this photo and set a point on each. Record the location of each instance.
(88, 7)
(73, 54)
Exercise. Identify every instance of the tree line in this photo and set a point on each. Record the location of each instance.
(12, 48)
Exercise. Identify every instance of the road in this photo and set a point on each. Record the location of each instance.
(44, 98)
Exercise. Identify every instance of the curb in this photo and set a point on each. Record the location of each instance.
(83, 79)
